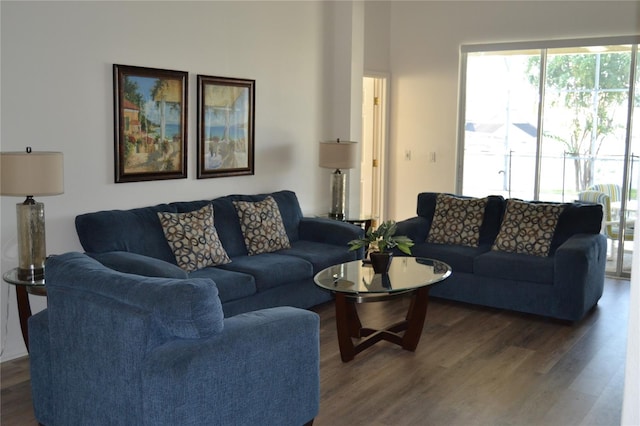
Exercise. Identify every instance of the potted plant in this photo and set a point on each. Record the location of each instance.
(378, 243)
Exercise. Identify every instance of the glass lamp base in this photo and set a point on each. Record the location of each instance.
(31, 240)
(32, 275)
(338, 195)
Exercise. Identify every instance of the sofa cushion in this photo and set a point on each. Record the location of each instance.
(262, 226)
(514, 267)
(231, 285)
(460, 258)
(457, 220)
(271, 269)
(528, 228)
(193, 238)
(320, 255)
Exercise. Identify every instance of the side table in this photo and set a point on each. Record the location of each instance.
(365, 222)
(23, 289)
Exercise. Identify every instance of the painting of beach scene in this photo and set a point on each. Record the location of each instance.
(151, 124)
(225, 126)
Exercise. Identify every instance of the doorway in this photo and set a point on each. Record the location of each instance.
(374, 148)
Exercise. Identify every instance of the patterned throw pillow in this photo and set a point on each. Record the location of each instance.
(528, 227)
(193, 238)
(262, 226)
(457, 220)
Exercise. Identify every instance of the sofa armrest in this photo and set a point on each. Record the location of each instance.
(329, 231)
(416, 228)
(579, 273)
(263, 368)
(133, 263)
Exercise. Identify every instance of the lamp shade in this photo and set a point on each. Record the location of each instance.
(338, 154)
(31, 173)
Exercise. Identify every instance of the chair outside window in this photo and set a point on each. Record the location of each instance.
(611, 189)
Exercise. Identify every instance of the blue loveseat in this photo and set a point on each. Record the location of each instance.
(133, 241)
(122, 349)
(564, 284)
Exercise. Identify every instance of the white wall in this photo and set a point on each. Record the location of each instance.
(57, 94)
(425, 44)
(377, 37)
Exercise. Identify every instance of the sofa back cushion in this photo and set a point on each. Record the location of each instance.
(183, 308)
(136, 231)
(228, 225)
(490, 223)
(576, 218)
(139, 230)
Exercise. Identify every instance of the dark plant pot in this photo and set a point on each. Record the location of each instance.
(380, 262)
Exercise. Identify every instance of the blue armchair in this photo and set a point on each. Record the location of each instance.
(121, 349)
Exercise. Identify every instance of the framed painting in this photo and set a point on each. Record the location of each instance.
(226, 108)
(150, 109)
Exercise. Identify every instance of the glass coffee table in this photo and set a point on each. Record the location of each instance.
(355, 282)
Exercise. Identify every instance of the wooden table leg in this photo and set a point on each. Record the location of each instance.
(24, 312)
(415, 319)
(348, 325)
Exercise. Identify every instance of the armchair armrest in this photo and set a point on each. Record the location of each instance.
(579, 273)
(263, 368)
(329, 231)
(133, 263)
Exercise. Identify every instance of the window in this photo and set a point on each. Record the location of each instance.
(549, 120)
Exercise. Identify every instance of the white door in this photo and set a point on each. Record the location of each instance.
(372, 176)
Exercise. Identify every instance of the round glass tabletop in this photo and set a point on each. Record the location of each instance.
(32, 286)
(405, 274)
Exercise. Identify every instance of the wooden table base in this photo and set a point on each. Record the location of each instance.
(349, 325)
(24, 312)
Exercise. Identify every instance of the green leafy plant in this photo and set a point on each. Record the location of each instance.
(383, 239)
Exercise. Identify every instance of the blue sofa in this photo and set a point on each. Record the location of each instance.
(122, 349)
(133, 241)
(565, 284)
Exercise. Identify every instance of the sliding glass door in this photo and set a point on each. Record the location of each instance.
(551, 122)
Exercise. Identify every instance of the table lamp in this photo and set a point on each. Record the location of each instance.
(27, 174)
(338, 155)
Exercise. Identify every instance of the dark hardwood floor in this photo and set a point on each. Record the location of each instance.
(473, 366)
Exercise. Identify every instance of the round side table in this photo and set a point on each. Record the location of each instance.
(23, 289)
